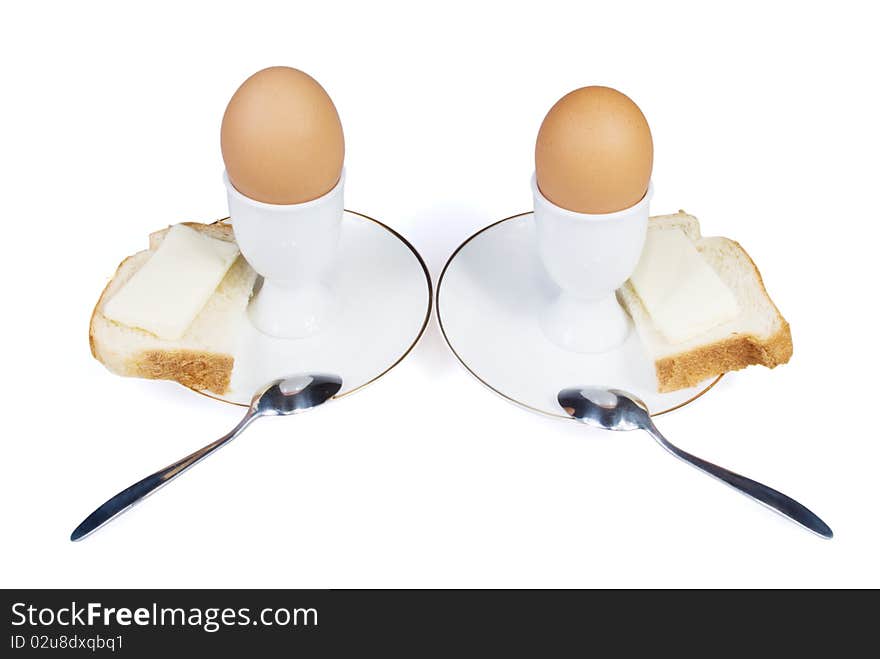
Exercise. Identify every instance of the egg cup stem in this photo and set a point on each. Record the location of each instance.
(294, 247)
(588, 256)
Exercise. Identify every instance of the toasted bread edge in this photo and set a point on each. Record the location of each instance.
(688, 369)
(200, 370)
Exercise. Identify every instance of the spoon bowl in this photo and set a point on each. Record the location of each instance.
(608, 409)
(295, 394)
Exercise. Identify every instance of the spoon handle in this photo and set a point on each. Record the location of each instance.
(771, 498)
(131, 495)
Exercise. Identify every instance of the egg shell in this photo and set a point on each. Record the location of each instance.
(594, 152)
(281, 138)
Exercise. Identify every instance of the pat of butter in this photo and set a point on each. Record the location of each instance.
(172, 287)
(682, 293)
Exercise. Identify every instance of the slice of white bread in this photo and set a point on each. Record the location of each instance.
(758, 335)
(203, 358)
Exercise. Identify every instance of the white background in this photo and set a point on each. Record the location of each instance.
(765, 126)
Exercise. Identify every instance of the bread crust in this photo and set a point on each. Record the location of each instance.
(200, 370)
(92, 341)
(690, 368)
(205, 371)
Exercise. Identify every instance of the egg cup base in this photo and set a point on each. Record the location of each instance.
(585, 326)
(292, 312)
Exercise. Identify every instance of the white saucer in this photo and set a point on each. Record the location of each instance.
(489, 299)
(383, 302)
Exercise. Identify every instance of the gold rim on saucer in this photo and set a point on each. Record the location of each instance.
(489, 386)
(405, 353)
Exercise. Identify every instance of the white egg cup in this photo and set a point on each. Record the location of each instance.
(294, 248)
(589, 257)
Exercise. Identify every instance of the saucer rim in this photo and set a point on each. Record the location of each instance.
(403, 356)
(520, 403)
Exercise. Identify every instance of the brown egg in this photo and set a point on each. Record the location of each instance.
(281, 138)
(594, 152)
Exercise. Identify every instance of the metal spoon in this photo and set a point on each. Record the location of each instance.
(613, 409)
(287, 396)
